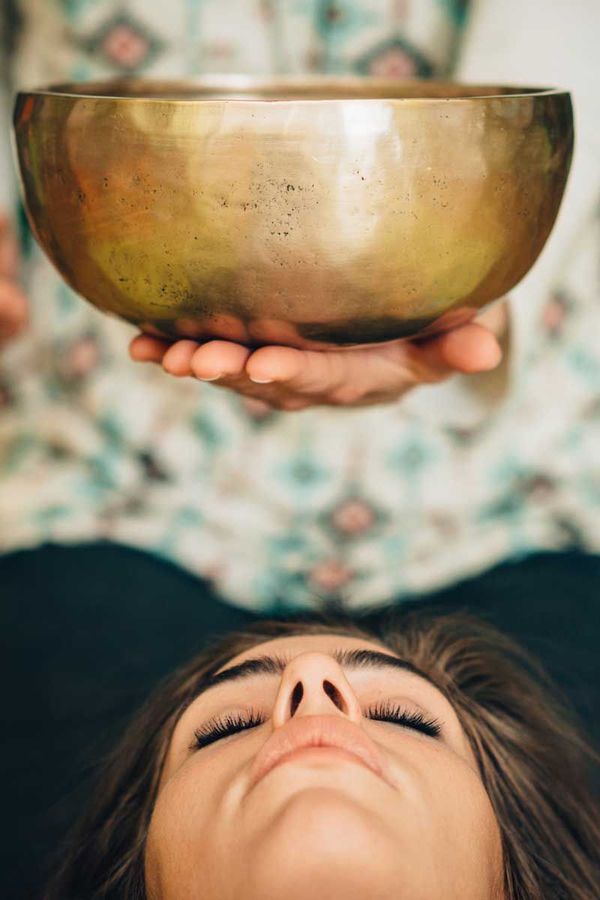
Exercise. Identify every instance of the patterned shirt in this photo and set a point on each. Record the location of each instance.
(328, 506)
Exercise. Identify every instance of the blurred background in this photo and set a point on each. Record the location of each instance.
(152, 475)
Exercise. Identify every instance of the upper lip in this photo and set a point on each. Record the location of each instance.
(317, 731)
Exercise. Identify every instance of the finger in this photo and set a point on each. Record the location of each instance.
(350, 377)
(145, 348)
(218, 360)
(353, 376)
(469, 350)
(13, 309)
(177, 360)
(305, 371)
(9, 249)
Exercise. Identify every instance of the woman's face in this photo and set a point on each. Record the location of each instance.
(321, 767)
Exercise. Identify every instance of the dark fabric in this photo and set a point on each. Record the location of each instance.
(550, 603)
(86, 632)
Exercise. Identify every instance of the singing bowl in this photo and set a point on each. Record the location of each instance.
(310, 213)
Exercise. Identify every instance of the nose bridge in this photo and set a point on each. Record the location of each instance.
(314, 684)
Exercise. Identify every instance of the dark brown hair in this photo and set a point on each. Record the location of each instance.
(533, 762)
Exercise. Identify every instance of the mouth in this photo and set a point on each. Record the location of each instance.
(322, 737)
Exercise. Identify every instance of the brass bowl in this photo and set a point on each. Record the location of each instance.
(310, 213)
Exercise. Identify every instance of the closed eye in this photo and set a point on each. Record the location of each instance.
(223, 727)
(219, 728)
(415, 719)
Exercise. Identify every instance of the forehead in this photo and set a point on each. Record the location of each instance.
(292, 646)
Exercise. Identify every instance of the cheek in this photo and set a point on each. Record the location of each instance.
(446, 822)
(187, 833)
(462, 802)
(473, 844)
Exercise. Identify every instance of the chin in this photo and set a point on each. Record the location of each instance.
(323, 845)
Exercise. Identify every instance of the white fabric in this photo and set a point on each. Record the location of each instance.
(551, 43)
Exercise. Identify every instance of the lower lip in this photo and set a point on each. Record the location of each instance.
(321, 754)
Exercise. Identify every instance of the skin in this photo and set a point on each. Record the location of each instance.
(287, 379)
(321, 824)
(13, 303)
(293, 380)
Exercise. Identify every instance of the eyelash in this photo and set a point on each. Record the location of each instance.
(218, 729)
(390, 712)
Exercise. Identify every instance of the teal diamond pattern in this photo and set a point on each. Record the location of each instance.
(76, 8)
(338, 20)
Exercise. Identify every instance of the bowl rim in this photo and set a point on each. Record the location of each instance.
(108, 89)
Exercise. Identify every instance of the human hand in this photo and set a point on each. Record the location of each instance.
(289, 379)
(13, 303)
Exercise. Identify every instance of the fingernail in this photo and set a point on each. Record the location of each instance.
(212, 378)
(256, 380)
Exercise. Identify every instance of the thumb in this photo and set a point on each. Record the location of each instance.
(468, 350)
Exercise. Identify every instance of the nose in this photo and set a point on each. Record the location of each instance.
(314, 684)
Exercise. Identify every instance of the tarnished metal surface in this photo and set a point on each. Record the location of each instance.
(326, 212)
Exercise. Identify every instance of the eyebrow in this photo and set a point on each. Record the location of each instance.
(275, 665)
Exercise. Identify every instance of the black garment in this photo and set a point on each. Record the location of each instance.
(86, 632)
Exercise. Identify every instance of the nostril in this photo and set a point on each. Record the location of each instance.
(296, 698)
(334, 695)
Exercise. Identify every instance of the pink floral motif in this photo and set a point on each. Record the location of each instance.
(395, 59)
(554, 315)
(125, 43)
(82, 358)
(330, 576)
(444, 523)
(220, 50)
(393, 63)
(266, 10)
(538, 487)
(353, 517)
(400, 9)
(125, 46)
(258, 410)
